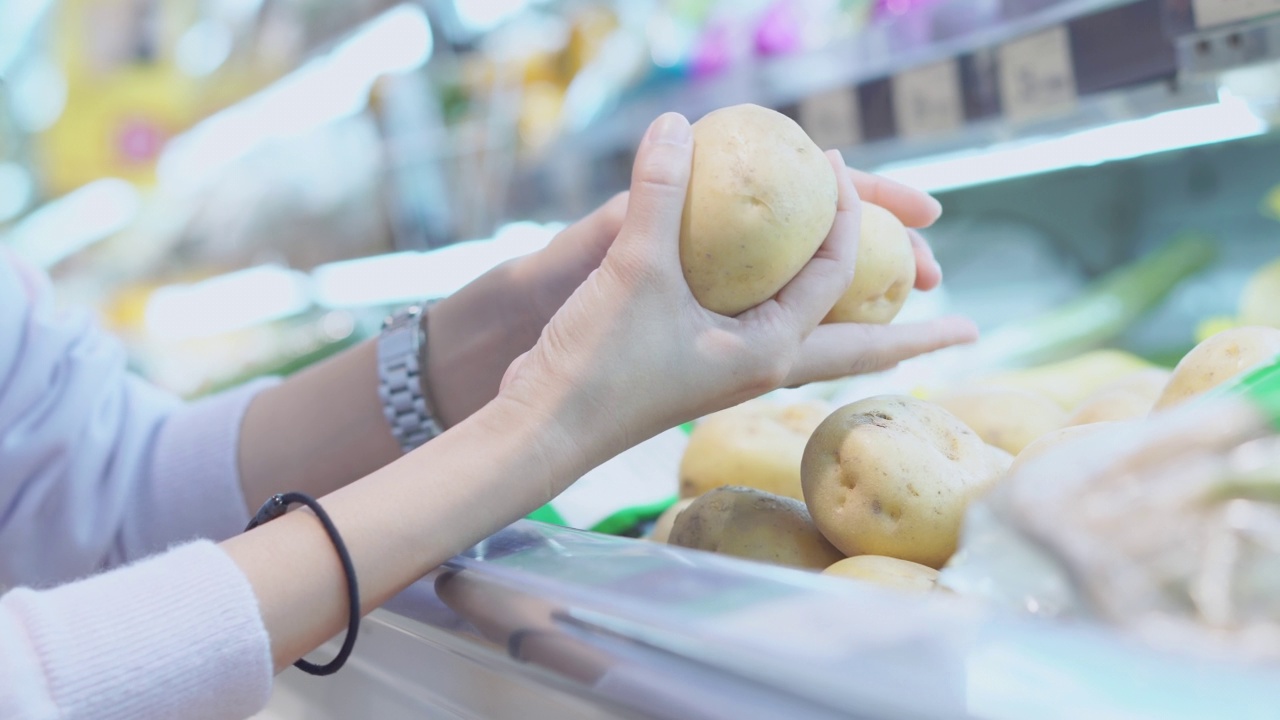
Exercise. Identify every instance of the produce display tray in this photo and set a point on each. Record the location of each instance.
(630, 628)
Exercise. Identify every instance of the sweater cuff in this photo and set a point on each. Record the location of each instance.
(177, 635)
(195, 472)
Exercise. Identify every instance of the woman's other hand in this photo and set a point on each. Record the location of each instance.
(476, 333)
(632, 353)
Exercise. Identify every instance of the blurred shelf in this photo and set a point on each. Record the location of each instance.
(961, 76)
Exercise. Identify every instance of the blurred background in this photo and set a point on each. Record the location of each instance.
(241, 187)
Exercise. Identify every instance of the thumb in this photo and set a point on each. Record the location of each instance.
(660, 180)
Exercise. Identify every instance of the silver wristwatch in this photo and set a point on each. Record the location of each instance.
(399, 379)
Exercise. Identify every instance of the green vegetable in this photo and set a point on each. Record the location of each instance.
(1103, 313)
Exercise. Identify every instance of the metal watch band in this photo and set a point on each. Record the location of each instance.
(399, 380)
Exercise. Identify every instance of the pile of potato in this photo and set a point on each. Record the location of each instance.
(876, 490)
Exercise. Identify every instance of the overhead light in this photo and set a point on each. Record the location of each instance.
(480, 16)
(226, 303)
(75, 221)
(16, 190)
(37, 95)
(203, 48)
(1228, 119)
(411, 276)
(18, 18)
(324, 90)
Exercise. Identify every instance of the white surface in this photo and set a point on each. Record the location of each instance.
(645, 474)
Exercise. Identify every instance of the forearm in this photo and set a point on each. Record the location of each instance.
(402, 521)
(324, 427)
(317, 431)
(472, 336)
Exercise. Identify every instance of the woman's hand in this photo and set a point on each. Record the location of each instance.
(475, 334)
(632, 352)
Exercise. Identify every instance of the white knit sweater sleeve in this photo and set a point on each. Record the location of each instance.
(178, 635)
(97, 467)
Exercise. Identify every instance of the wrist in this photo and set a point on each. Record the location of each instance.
(559, 450)
(471, 338)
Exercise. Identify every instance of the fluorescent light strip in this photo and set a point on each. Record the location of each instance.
(17, 19)
(324, 90)
(16, 190)
(246, 298)
(410, 276)
(1228, 119)
(75, 221)
(226, 303)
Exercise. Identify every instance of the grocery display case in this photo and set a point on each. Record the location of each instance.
(1066, 138)
(543, 621)
(540, 621)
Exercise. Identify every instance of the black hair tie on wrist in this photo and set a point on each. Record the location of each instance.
(274, 508)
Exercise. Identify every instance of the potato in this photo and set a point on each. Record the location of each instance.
(885, 271)
(1070, 382)
(893, 475)
(887, 571)
(755, 525)
(1217, 360)
(758, 444)
(1008, 418)
(1053, 439)
(667, 520)
(1127, 398)
(761, 200)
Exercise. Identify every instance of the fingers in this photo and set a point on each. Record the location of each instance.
(659, 183)
(841, 349)
(928, 271)
(815, 289)
(913, 207)
(586, 241)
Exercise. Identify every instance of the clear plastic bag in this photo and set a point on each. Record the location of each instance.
(1168, 528)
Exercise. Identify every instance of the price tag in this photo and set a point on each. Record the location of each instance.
(1036, 79)
(926, 100)
(1209, 13)
(831, 118)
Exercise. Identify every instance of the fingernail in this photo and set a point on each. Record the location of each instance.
(671, 128)
(937, 206)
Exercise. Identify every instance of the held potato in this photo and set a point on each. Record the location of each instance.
(1217, 360)
(1008, 418)
(755, 525)
(885, 271)
(758, 444)
(893, 475)
(667, 520)
(888, 572)
(762, 198)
